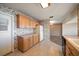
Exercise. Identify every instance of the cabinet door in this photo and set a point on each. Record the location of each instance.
(36, 39)
(31, 41)
(22, 21)
(23, 43)
(35, 24)
(26, 44)
(27, 22)
(31, 23)
(20, 43)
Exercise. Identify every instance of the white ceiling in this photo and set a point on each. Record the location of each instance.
(58, 10)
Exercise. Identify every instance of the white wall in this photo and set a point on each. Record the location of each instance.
(69, 27)
(23, 31)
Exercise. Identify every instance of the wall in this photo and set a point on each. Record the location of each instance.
(70, 24)
(24, 31)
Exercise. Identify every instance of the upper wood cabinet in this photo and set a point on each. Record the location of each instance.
(22, 21)
(32, 24)
(35, 24)
(25, 22)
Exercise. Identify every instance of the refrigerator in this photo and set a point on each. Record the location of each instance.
(6, 40)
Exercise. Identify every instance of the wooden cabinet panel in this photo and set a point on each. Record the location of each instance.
(22, 21)
(20, 43)
(36, 39)
(67, 51)
(32, 24)
(70, 50)
(31, 41)
(23, 43)
(26, 44)
(25, 22)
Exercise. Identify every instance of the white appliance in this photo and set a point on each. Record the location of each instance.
(5, 33)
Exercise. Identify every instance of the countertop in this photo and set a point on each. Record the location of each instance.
(28, 35)
(74, 40)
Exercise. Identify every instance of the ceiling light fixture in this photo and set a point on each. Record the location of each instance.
(45, 3)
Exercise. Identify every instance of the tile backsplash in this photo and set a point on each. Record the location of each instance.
(23, 31)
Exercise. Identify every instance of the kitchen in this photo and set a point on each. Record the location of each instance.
(27, 35)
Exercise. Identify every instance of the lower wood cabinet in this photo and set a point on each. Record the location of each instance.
(35, 39)
(31, 41)
(70, 50)
(25, 43)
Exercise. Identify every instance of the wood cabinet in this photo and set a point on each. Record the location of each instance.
(35, 39)
(71, 50)
(31, 41)
(23, 43)
(25, 22)
(68, 48)
(33, 23)
(22, 21)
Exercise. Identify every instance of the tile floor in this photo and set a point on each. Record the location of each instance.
(44, 48)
